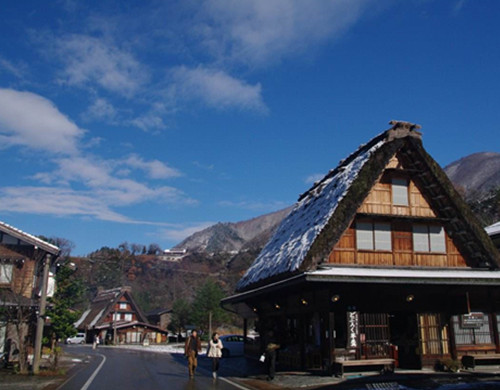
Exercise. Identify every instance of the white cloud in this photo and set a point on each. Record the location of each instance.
(311, 179)
(155, 168)
(101, 109)
(181, 232)
(99, 176)
(148, 121)
(254, 205)
(260, 32)
(458, 6)
(9, 67)
(91, 61)
(217, 89)
(56, 201)
(30, 120)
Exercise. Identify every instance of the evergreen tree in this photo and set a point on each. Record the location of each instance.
(181, 315)
(207, 300)
(69, 290)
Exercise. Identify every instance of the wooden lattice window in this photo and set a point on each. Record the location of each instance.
(434, 338)
(374, 335)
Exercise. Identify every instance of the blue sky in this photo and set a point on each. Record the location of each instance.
(144, 121)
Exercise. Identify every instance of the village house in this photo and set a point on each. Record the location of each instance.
(381, 263)
(160, 317)
(114, 317)
(22, 260)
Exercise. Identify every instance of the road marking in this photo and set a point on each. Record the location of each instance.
(89, 381)
(208, 372)
(233, 383)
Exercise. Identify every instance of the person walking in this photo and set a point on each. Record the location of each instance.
(215, 353)
(271, 348)
(191, 350)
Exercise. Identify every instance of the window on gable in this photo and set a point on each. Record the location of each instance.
(123, 305)
(428, 238)
(128, 317)
(373, 236)
(400, 192)
(6, 273)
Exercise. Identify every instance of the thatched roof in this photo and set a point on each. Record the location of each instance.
(103, 304)
(308, 234)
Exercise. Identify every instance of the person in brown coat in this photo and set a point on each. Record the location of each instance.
(191, 350)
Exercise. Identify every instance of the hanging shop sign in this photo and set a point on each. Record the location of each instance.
(473, 320)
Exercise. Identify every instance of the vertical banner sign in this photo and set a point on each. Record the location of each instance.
(352, 329)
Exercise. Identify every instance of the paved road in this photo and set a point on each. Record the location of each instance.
(109, 368)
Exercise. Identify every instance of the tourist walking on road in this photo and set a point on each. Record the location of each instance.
(271, 347)
(191, 350)
(215, 353)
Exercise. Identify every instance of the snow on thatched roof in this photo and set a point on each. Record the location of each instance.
(307, 235)
(287, 248)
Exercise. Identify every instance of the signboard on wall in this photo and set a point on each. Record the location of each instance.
(472, 320)
(352, 329)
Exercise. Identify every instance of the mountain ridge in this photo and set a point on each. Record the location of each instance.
(473, 175)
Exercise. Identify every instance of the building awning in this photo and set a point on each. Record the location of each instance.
(462, 276)
(367, 275)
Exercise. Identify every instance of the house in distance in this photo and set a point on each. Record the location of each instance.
(115, 317)
(380, 261)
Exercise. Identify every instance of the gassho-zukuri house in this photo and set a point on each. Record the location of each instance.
(381, 259)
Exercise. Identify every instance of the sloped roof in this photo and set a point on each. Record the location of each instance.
(102, 304)
(30, 239)
(321, 215)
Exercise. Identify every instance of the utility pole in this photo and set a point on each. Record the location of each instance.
(114, 325)
(41, 316)
(209, 324)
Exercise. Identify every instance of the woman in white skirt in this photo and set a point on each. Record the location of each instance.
(215, 353)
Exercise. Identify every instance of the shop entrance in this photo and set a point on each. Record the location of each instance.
(404, 335)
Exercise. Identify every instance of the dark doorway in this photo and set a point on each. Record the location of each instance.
(404, 334)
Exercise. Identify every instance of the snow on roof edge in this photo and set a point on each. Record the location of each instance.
(290, 244)
(493, 229)
(28, 236)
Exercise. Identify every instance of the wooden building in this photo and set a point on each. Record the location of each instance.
(22, 258)
(114, 316)
(160, 317)
(381, 259)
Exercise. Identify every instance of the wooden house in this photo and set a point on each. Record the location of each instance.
(160, 317)
(22, 258)
(114, 316)
(380, 261)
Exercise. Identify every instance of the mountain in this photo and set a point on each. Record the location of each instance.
(233, 237)
(475, 174)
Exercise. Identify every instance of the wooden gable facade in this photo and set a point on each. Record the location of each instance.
(396, 226)
(381, 259)
(115, 317)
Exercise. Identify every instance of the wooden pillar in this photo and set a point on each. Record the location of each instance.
(331, 342)
(41, 316)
